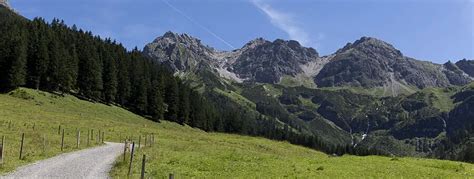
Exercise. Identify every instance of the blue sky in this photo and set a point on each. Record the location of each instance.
(436, 30)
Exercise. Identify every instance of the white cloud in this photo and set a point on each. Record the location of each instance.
(284, 21)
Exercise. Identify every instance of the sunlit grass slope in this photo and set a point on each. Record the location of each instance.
(39, 114)
(189, 152)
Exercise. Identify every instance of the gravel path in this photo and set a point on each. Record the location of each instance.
(88, 163)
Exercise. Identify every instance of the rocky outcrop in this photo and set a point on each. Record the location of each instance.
(178, 52)
(266, 62)
(4, 3)
(370, 62)
(257, 61)
(467, 66)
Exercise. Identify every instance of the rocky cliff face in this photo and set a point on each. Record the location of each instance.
(267, 62)
(467, 66)
(179, 52)
(401, 125)
(368, 62)
(5, 4)
(258, 61)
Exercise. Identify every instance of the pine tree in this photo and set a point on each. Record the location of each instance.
(155, 104)
(123, 77)
(90, 70)
(110, 78)
(172, 100)
(15, 57)
(184, 106)
(38, 52)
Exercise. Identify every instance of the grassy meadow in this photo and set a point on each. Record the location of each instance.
(184, 151)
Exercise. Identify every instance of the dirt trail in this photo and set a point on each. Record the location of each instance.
(89, 163)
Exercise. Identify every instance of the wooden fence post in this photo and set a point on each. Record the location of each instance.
(103, 136)
(88, 137)
(171, 176)
(143, 167)
(99, 136)
(59, 130)
(2, 150)
(78, 138)
(125, 151)
(139, 141)
(44, 144)
(146, 136)
(92, 134)
(21, 145)
(131, 159)
(153, 138)
(62, 141)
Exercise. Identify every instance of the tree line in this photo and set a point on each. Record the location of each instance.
(56, 58)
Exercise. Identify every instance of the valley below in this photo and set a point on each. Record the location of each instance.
(187, 152)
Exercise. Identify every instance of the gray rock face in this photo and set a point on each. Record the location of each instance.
(178, 52)
(258, 61)
(370, 62)
(467, 66)
(455, 75)
(267, 62)
(4, 3)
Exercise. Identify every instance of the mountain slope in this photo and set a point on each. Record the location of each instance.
(467, 66)
(367, 95)
(370, 62)
(185, 151)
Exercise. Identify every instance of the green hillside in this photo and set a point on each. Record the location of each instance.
(185, 151)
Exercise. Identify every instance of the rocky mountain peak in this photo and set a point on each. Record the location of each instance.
(255, 43)
(267, 62)
(5, 3)
(180, 52)
(467, 66)
(371, 45)
(175, 38)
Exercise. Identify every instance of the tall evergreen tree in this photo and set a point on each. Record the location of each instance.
(184, 106)
(110, 77)
(155, 103)
(14, 55)
(172, 100)
(90, 70)
(38, 52)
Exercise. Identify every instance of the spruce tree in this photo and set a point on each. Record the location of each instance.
(172, 100)
(15, 58)
(184, 106)
(110, 78)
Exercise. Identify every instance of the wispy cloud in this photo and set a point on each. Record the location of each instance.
(284, 21)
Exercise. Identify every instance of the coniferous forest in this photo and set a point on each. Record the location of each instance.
(67, 60)
(54, 57)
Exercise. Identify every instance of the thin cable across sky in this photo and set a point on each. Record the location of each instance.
(198, 24)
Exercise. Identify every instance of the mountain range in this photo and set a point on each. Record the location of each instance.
(366, 98)
(365, 94)
(368, 62)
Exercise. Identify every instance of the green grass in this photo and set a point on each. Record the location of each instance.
(189, 152)
(25, 108)
(271, 90)
(237, 98)
(202, 155)
(441, 98)
(308, 103)
(299, 80)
